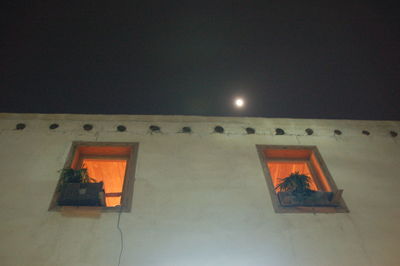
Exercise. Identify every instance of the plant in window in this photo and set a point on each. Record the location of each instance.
(294, 190)
(78, 189)
(69, 175)
(295, 183)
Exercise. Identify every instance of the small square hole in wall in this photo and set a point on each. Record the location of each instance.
(299, 180)
(97, 174)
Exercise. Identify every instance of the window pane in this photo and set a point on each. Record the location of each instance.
(111, 172)
(284, 169)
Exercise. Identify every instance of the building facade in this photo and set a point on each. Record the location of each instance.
(200, 194)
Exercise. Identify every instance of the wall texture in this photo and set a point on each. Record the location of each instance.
(199, 198)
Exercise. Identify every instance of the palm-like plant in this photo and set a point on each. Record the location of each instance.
(295, 183)
(69, 175)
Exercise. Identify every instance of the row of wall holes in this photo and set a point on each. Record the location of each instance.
(217, 129)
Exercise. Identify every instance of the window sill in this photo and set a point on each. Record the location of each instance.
(101, 209)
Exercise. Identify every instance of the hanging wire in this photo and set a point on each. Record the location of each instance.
(121, 235)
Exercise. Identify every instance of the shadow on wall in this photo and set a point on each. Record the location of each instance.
(82, 212)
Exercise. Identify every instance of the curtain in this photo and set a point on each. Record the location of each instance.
(284, 169)
(111, 172)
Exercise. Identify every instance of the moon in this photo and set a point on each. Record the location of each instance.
(239, 102)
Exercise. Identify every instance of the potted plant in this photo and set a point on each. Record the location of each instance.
(295, 190)
(78, 189)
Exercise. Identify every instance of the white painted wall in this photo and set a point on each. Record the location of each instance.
(200, 198)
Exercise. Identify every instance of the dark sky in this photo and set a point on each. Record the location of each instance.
(310, 59)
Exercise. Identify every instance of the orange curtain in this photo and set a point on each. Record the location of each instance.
(109, 171)
(284, 169)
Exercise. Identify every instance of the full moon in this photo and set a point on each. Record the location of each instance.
(239, 102)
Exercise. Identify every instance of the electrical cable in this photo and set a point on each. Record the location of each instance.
(121, 235)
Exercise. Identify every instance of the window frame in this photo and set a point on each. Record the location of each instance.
(129, 179)
(341, 208)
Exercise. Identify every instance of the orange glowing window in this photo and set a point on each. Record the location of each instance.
(110, 163)
(281, 161)
(112, 173)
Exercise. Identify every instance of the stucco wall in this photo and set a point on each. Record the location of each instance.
(200, 198)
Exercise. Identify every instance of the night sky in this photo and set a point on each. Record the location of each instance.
(310, 59)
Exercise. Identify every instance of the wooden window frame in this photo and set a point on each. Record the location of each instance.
(341, 208)
(129, 179)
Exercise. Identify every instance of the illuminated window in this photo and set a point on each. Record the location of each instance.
(110, 171)
(280, 162)
(110, 167)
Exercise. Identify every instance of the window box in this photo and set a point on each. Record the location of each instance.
(316, 198)
(279, 162)
(82, 194)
